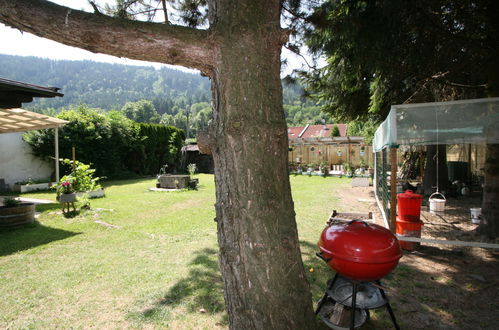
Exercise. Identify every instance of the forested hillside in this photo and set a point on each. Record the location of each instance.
(103, 85)
(178, 98)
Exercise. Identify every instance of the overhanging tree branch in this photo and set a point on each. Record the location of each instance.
(155, 42)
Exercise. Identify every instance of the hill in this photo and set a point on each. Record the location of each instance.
(104, 85)
(111, 86)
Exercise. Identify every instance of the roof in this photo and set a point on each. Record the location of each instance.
(191, 147)
(14, 93)
(311, 131)
(20, 120)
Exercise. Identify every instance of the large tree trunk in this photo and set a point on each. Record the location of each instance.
(264, 277)
(490, 204)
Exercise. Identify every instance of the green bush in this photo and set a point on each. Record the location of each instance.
(159, 145)
(81, 177)
(116, 146)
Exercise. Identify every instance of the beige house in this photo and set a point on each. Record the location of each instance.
(313, 144)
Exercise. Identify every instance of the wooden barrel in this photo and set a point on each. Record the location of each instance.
(17, 215)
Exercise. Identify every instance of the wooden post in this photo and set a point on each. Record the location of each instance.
(56, 143)
(469, 165)
(393, 188)
(421, 163)
(348, 152)
(73, 152)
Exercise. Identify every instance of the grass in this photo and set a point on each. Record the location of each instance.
(156, 266)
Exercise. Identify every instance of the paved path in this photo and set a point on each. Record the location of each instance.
(29, 200)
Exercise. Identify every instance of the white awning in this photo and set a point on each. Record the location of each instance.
(20, 120)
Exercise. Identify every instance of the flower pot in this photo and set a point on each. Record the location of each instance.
(96, 193)
(91, 193)
(67, 198)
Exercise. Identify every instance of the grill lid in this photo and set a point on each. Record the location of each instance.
(360, 242)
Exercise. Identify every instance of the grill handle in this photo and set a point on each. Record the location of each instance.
(319, 254)
(357, 220)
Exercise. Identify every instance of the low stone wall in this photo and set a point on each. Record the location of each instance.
(171, 181)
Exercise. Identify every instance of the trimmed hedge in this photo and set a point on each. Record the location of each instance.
(115, 146)
(160, 145)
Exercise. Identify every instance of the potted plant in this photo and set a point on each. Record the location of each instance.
(324, 168)
(82, 179)
(65, 191)
(14, 212)
(193, 182)
(348, 169)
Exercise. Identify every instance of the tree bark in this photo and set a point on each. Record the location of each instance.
(153, 42)
(264, 277)
(490, 204)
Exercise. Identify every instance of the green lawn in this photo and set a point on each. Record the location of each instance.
(155, 267)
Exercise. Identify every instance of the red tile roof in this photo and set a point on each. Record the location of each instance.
(311, 131)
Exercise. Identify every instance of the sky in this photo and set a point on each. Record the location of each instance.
(14, 42)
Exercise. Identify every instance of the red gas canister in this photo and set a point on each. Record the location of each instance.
(409, 206)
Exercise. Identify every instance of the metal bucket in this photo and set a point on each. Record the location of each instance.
(476, 214)
(437, 204)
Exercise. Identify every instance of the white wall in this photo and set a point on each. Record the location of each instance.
(17, 163)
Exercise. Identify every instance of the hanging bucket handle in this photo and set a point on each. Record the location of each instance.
(437, 193)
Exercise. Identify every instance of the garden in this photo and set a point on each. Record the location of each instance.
(148, 259)
(136, 258)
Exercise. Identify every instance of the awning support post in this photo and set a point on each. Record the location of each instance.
(56, 143)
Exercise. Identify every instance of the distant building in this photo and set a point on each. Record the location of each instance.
(16, 160)
(314, 144)
(204, 163)
(315, 131)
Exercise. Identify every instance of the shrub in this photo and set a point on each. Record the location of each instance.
(192, 168)
(114, 144)
(11, 202)
(80, 179)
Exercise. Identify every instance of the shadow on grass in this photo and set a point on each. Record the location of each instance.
(201, 291)
(317, 271)
(57, 207)
(25, 237)
(48, 207)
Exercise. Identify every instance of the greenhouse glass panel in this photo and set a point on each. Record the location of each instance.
(468, 121)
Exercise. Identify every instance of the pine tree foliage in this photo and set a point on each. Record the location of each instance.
(383, 52)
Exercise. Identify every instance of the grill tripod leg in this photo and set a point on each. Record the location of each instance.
(388, 307)
(354, 302)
